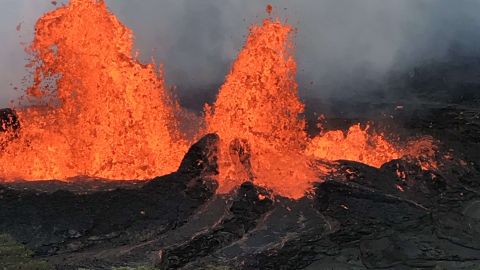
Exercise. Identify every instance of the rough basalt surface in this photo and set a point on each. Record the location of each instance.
(364, 223)
(63, 222)
(360, 217)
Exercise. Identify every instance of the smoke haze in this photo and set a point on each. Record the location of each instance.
(340, 43)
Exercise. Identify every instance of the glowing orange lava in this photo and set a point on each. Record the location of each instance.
(258, 116)
(258, 104)
(357, 145)
(96, 110)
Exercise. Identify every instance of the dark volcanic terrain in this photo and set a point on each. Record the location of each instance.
(358, 218)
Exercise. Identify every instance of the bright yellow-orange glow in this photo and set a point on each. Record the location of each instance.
(258, 106)
(357, 145)
(106, 115)
(258, 103)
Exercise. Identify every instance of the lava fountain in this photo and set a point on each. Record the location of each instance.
(93, 109)
(259, 118)
(259, 107)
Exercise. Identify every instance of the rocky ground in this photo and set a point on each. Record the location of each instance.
(359, 218)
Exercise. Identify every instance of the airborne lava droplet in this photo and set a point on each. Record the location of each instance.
(269, 9)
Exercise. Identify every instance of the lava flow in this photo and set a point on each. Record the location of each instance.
(95, 111)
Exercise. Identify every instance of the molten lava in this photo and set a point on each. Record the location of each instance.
(258, 116)
(357, 145)
(93, 109)
(258, 105)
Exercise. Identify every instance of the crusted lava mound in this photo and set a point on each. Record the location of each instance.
(360, 217)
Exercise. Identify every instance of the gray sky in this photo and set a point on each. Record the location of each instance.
(338, 40)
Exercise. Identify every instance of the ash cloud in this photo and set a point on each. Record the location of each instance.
(343, 46)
